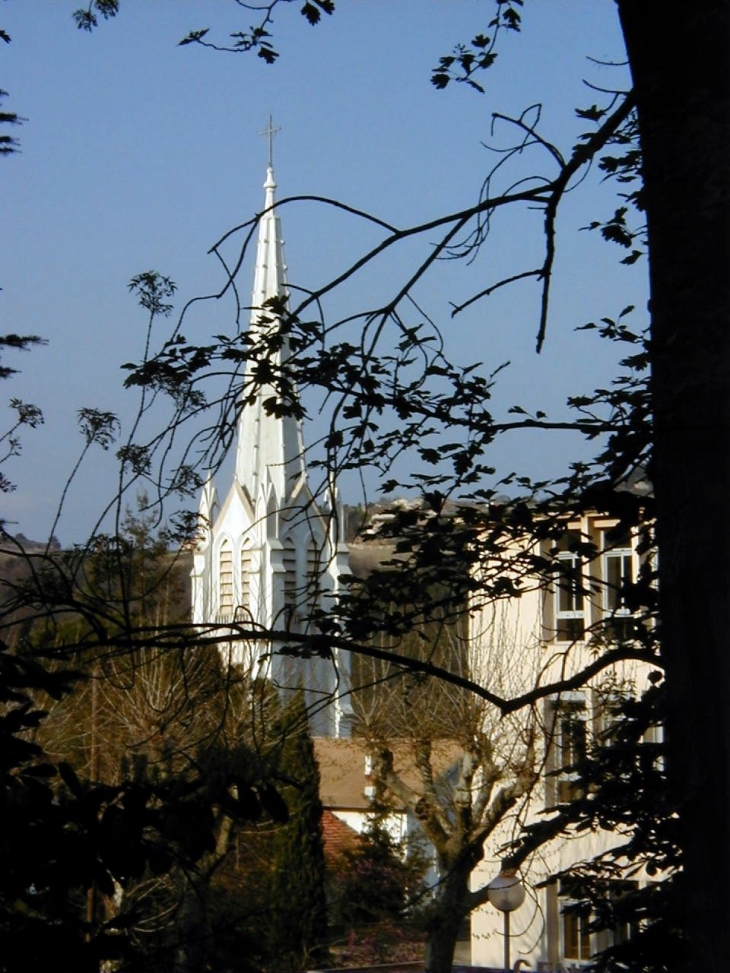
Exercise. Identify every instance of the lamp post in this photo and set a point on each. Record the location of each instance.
(506, 893)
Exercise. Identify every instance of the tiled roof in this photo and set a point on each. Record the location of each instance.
(337, 835)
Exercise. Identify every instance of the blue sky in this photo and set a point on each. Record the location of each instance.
(139, 154)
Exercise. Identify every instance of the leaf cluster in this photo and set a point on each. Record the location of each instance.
(467, 59)
(8, 143)
(87, 18)
(26, 414)
(257, 37)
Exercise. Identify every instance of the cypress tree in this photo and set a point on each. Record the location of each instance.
(298, 902)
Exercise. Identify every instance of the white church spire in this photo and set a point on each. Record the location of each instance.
(270, 558)
(270, 448)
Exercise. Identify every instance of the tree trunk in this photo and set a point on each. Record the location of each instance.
(678, 53)
(448, 910)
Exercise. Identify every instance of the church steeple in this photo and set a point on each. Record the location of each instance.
(270, 557)
(270, 448)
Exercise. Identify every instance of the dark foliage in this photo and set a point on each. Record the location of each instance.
(68, 842)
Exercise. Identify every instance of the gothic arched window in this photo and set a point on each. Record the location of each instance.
(314, 574)
(225, 579)
(246, 560)
(291, 585)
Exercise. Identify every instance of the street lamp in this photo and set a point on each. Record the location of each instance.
(506, 893)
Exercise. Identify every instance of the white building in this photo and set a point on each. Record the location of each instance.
(270, 554)
(556, 635)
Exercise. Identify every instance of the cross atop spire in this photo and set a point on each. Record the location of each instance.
(270, 131)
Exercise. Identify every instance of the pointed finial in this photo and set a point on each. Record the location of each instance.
(270, 132)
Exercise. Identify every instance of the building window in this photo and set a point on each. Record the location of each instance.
(574, 920)
(609, 702)
(618, 573)
(246, 560)
(571, 742)
(576, 938)
(569, 597)
(578, 943)
(623, 928)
